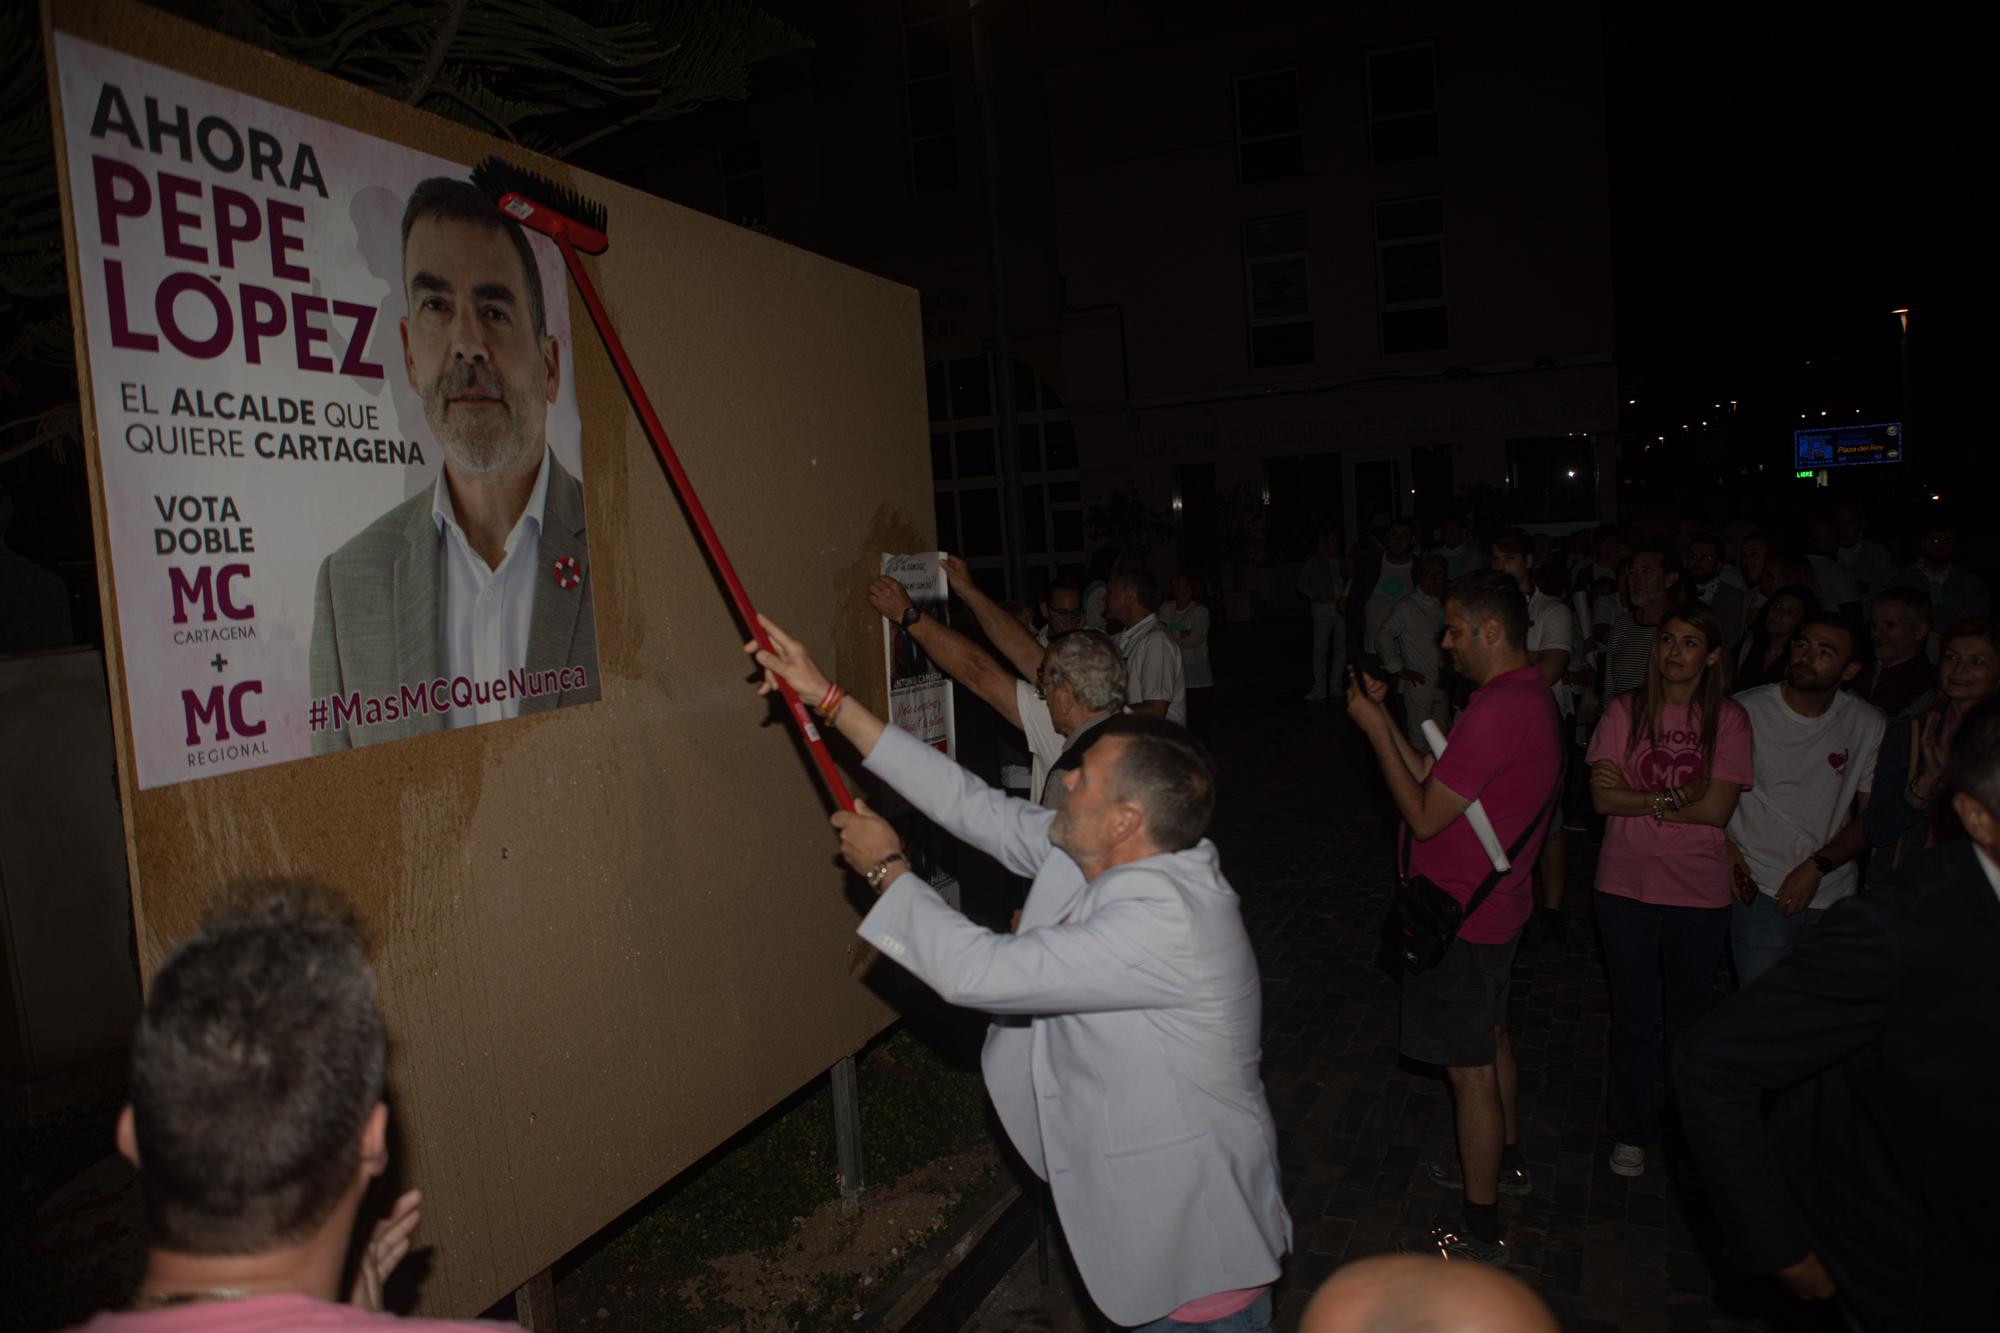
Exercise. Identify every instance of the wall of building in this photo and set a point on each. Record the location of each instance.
(1123, 205)
(1152, 212)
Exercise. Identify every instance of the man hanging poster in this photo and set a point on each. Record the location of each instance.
(336, 425)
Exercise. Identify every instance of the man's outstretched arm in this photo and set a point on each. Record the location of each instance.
(1004, 631)
(957, 656)
(1428, 807)
(1013, 832)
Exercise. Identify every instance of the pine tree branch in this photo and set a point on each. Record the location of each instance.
(440, 45)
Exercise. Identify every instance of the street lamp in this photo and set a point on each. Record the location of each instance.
(1902, 314)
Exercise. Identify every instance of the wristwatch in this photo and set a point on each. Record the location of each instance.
(910, 617)
(1821, 862)
(876, 872)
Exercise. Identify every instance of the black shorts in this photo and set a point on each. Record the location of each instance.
(1449, 1012)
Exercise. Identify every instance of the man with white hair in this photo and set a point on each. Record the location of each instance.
(1079, 682)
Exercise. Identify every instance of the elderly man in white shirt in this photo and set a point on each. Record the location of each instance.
(1156, 680)
(1133, 1088)
(1079, 682)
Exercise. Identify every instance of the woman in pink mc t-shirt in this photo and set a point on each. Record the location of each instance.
(1666, 765)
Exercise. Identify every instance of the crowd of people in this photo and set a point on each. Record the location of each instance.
(1827, 832)
(1792, 758)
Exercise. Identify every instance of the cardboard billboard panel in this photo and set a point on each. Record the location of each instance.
(608, 936)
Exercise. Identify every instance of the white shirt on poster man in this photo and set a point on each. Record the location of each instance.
(1153, 668)
(1809, 770)
(483, 623)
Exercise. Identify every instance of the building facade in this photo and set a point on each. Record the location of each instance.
(1337, 263)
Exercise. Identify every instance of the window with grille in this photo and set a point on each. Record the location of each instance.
(965, 474)
(1277, 278)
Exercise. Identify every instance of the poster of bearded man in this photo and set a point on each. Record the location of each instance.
(474, 593)
(342, 454)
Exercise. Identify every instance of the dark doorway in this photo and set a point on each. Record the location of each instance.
(1195, 512)
(1303, 498)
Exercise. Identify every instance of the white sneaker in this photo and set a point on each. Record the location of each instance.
(1316, 694)
(1627, 1160)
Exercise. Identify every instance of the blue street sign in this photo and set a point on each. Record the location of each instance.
(1847, 446)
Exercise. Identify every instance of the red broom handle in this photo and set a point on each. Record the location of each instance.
(703, 528)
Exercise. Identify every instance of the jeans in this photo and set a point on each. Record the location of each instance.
(1253, 1318)
(1645, 945)
(1759, 935)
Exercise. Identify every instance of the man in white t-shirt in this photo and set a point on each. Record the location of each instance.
(1408, 644)
(1796, 833)
(1155, 681)
(1394, 577)
(1458, 547)
(1873, 568)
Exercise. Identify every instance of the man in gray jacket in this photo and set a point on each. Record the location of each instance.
(1133, 1086)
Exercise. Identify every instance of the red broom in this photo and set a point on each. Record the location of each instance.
(577, 225)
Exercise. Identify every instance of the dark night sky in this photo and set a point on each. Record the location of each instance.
(1780, 185)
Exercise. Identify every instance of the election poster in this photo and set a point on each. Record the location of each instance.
(337, 428)
(920, 693)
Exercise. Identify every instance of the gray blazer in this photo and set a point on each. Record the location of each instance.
(376, 608)
(1132, 1084)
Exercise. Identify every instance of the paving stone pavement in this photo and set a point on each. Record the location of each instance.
(1306, 839)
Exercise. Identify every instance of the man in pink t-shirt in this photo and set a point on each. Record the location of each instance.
(1505, 753)
(257, 1123)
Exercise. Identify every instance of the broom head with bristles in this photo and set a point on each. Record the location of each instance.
(538, 202)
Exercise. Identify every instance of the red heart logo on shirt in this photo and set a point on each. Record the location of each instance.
(1838, 761)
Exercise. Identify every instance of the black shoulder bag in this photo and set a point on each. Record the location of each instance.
(1424, 919)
